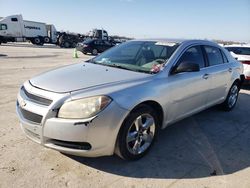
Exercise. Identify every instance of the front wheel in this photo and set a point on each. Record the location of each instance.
(137, 133)
(232, 98)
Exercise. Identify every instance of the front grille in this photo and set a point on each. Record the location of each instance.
(72, 145)
(36, 118)
(37, 99)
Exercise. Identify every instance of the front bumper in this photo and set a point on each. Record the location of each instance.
(91, 137)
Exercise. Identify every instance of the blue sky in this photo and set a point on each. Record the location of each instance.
(210, 19)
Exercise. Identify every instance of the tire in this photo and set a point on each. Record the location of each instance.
(141, 138)
(46, 39)
(66, 44)
(36, 41)
(94, 52)
(73, 45)
(232, 97)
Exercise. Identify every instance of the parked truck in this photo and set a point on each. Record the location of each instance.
(15, 29)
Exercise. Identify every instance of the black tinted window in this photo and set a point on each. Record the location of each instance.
(14, 19)
(214, 55)
(239, 50)
(193, 55)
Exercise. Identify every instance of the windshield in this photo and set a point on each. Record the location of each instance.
(140, 56)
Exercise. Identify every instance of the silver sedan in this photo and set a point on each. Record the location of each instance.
(118, 101)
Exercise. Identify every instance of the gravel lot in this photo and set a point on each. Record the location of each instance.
(210, 149)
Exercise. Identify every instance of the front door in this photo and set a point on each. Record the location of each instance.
(189, 90)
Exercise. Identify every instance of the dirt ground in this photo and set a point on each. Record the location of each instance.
(210, 149)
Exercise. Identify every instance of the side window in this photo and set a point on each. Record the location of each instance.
(193, 55)
(225, 60)
(214, 55)
(14, 19)
(3, 27)
(245, 51)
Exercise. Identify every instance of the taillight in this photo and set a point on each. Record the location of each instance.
(246, 62)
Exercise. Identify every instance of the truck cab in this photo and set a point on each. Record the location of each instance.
(10, 28)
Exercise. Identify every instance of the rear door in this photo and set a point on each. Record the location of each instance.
(219, 72)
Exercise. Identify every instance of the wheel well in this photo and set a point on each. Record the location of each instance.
(238, 82)
(156, 106)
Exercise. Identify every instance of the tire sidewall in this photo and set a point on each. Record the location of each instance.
(66, 44)
(94, 51)
(226, 105)
(37, 40)
(121, 140)
(46, 39)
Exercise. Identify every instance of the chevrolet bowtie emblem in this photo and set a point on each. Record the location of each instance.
(22, 103)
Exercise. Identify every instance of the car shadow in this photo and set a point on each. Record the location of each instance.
(210, 143)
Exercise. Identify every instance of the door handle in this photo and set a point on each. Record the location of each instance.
(230, 70)
(205, 76)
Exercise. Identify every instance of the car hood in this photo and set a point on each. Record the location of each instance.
(81, 76)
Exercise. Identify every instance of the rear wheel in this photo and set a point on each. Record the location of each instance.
(137, 133)
(46, 39)
(232, 97)
(94, 52)
(66, 44)
(36, 41)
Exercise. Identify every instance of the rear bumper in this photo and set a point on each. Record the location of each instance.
(247, 72)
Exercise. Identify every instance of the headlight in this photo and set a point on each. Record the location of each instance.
(83, 108)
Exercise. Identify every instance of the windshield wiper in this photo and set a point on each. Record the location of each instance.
(120, 67)
(116, 66)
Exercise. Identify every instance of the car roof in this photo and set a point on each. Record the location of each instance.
(238, 45)
(178, 41)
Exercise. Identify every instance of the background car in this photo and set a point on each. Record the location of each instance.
(94, 46)
(242, 54)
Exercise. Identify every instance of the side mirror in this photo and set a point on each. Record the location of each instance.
(186, 66)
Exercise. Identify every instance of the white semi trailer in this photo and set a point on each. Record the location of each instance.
(14, 29)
